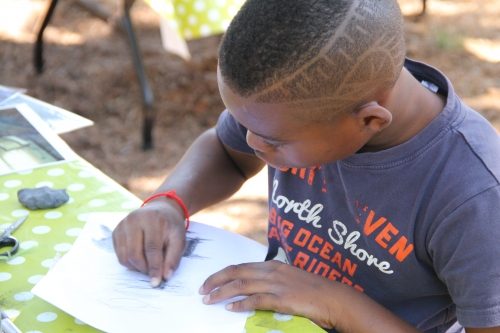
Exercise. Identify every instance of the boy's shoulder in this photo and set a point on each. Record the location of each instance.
(481, 138)
(463, 129)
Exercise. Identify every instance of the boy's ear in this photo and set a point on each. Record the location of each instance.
(373, 117)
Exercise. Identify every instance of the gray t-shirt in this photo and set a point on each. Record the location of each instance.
(416, 227)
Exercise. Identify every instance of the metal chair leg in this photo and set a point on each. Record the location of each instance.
(147, 95)
(38, 56)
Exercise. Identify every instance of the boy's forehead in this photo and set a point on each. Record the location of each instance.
(307, 111)
(271, 121)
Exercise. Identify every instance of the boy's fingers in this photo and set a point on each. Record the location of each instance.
(220, 278)
(153, 251)
(239, 287)
(147, 241)
(173, 254)
(135, 252)
(231, 273)
(119, 243)
(256, 301)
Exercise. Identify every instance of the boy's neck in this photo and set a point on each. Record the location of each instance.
(412, 106)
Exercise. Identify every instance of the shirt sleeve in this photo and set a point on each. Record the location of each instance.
(232, 133)
(465, 249)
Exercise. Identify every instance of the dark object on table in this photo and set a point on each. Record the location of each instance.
(42, 197)
(6, 240)
(6, 325)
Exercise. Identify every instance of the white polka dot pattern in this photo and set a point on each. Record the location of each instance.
(83, 217)
(34, 279)
(76, 187)
(85, 174)
(42, 184)
(97, 203)
(46, 317)
(63, 247)
(282, 316)
(16, 261)
(20, 212)
(53, 215)
(73, 232)
(47, 263)
(11, 313)
(197, 18)
(12, 183)
(40, 230)
(55, 172)
(24, 296)
(79, 322)
(4, 276)
(28, 244)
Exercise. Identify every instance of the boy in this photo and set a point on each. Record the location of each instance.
(383, 185)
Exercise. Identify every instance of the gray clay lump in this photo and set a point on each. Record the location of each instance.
(42, 198)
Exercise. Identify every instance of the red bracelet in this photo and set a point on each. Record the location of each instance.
(170, 194)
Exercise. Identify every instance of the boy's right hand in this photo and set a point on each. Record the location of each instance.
(151, 240)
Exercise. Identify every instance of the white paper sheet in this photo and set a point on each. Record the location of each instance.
(90, 284)
(59, 120)
(7, 93)
(172, 41)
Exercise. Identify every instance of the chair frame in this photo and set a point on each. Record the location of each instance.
(125, 24)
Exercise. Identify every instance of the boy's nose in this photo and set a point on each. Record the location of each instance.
(257, 143)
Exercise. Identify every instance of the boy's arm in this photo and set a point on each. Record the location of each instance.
(152, 238)
(273, 285)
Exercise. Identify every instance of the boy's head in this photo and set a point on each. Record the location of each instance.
(314, 60)
(313, 54)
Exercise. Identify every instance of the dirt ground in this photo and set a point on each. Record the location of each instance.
(89, 71)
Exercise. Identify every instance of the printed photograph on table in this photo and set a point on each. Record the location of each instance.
(59, 120)
(26, 142)
(8, 93)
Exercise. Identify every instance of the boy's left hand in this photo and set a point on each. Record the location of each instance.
(273, 285)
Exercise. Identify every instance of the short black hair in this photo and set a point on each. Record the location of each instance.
(307, 51)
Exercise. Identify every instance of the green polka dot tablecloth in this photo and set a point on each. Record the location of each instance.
(197, 18)
(49, 232)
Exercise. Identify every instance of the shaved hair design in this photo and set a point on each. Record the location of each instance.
(313, 54)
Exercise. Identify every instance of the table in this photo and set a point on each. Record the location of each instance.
(48, 232)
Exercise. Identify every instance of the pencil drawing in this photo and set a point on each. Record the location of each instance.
(139, 285)
(133, 289)
(104, 240)
(191, 245)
